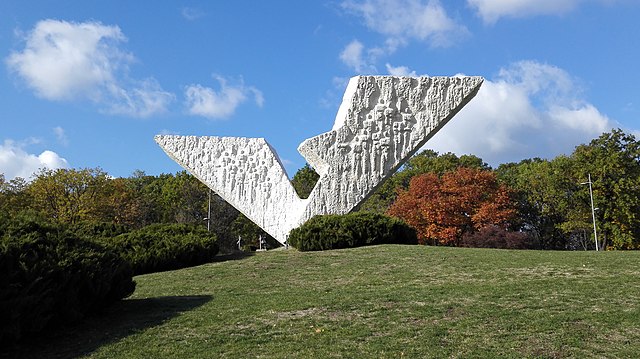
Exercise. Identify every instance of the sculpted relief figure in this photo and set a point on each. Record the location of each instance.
(381, 123)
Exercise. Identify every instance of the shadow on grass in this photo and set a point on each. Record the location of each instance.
(117, 322)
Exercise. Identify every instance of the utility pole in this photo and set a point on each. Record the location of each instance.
(208, 217)
(209, 213)
(593, 211)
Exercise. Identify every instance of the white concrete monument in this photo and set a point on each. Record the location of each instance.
(381, 123)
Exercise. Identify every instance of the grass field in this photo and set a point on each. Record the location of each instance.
(372, 302)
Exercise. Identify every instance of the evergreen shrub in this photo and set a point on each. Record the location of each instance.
(350, 230)
(161, 247)
(49, 277)
(96, 230)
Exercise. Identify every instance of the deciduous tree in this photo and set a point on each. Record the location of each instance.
(13, 197)
(427, 161)
(613, 161)
(68, 195)
(187, 198)
(443, 209)
(542, 191)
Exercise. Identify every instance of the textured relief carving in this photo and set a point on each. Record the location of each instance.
(381, 122)
(245, 172)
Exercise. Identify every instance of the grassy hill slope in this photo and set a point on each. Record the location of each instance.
(374, 302)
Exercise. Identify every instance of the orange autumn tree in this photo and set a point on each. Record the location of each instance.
(463, 201)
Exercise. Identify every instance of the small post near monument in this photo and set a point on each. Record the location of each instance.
(262, 244)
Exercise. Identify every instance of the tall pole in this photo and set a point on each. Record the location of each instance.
(209, 213)
(593, 213)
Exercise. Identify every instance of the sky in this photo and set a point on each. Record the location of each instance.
(87, 84)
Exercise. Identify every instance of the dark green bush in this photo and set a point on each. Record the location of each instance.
(96, 230)
(48, 277)
(161, 247)
(350, 230)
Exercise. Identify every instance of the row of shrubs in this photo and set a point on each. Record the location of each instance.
(364, 228)
(49, 277)
(154, 248)
(52, 275)
(350, 230)
(161, 247)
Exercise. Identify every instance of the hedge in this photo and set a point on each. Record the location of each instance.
(161, 247)
(350, 230)
(49, 277)
(96, 230)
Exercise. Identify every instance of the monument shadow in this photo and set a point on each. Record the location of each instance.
(120, 320)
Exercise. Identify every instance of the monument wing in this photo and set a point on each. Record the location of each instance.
(381, 123)
(245, 172)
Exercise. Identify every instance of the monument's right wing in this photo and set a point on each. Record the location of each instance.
(382, 122)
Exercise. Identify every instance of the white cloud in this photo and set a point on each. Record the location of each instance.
(403, 20)
(191, 13)
(399, 71)
(355, 57)
(207, 102)
(169, 132)
(63, 60)
(257, 95)
(72, 61)
(586, 118)
(529, 110)
(492, 10)
(144, 99)
(333, 96)
(61, 136)
(16, 162)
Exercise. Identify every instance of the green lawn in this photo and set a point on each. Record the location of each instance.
(373, 302)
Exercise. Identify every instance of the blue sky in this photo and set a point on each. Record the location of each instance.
(89, 83)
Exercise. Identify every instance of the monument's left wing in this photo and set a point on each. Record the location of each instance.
(246, 172)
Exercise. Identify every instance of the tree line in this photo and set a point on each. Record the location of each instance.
(73, 196)
(449, 200)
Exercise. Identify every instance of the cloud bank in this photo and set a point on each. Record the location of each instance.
(529, 110)
(16, 162)
(65, 61)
